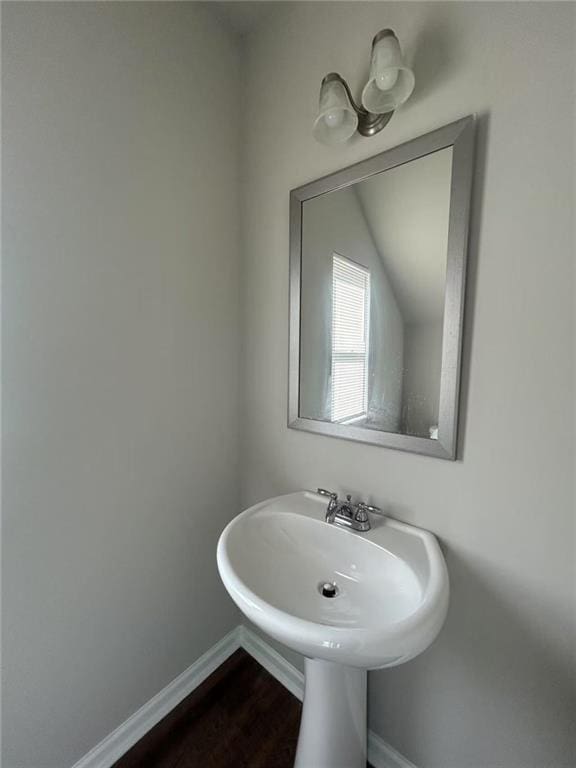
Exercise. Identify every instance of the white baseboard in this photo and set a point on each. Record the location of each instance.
(382, 755)
(273, 662)
(116, 744)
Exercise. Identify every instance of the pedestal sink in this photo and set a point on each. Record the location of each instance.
(347, 601)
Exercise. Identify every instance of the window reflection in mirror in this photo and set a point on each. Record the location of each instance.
(350, 341)
(373, 275)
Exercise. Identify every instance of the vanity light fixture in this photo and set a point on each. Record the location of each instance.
(390, 84)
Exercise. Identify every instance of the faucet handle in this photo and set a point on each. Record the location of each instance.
(363, 508)
(324, 492)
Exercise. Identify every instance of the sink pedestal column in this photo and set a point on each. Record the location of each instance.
(333, 727)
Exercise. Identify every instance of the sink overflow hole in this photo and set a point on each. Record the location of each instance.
(328, 589)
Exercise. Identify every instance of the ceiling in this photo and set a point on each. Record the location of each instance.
(243, 17)
(406, 209)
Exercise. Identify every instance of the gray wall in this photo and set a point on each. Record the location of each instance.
(422, 373)
(495, 690)
(121, 314)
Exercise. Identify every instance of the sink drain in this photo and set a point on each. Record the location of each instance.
(328, 589)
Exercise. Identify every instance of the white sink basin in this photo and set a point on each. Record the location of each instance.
(392, 581)
(391, 602)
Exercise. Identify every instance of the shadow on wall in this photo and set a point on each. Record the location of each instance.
(432, 61)
(497, 656)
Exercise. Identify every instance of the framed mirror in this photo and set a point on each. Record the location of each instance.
(377, 282)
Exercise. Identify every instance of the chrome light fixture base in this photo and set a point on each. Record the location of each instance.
(369, 124)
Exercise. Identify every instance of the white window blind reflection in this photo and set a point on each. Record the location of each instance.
(350, 330)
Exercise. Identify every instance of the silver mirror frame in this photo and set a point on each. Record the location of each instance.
(460, 136)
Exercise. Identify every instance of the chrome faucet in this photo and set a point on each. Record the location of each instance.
(332, 504)
(347, 514)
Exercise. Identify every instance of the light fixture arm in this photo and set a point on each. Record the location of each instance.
(369, 123)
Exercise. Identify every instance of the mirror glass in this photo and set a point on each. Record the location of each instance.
(373, 276)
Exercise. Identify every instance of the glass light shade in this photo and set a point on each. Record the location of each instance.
(337, 120)
(391, 82)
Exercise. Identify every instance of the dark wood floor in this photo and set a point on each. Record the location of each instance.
(240, 717)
